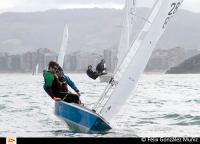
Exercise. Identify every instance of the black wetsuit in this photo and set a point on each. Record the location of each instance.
(61, 92)
(92, 74)
(100, 68)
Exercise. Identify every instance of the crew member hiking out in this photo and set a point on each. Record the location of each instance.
(49, 79)
(56, 85)
(65, 81)
(101, 68)
(92, 74)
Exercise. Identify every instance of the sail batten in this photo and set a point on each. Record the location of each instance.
(127, 75)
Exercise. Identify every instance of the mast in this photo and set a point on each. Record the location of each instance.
(134, 63)
(63, 47)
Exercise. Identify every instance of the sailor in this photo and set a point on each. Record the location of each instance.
(49, 78)
(54, 87)
(101, 67)
(92, 74)
(65, 81)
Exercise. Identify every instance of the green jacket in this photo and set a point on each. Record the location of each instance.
(49, 78)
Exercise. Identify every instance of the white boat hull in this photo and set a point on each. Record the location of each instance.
(105, 78)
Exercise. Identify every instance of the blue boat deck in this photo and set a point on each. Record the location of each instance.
(80, 118)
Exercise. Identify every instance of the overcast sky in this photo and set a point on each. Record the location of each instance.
(41, 5)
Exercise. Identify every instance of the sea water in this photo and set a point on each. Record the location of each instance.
(161, 106)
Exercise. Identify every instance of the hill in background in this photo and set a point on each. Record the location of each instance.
(88, 29)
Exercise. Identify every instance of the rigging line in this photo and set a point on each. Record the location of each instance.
(109, 87)
(101, 98)
(143, 18)
(147, 19)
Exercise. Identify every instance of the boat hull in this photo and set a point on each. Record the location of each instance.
(105, 78)
(80, 118)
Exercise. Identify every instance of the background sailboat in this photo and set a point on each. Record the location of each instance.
(63, 47)
(126, 34)
(36, 70)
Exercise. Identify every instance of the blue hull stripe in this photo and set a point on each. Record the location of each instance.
(82, 117)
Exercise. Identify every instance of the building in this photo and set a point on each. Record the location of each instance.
(162, 59)
(26, 62)
(3, 62)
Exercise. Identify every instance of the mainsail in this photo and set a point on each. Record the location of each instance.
(126, 31)
(132, 66)
(63, 47)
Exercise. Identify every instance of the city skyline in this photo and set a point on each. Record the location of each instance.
(160, 61)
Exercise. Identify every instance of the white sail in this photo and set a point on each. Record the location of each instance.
(63, 47)
(126, 31)
(36, 69)
(137, 57)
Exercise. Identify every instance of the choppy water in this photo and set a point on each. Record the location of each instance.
(163, 105)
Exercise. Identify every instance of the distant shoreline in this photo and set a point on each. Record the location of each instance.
(146, 73)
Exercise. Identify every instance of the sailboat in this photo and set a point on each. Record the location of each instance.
(63, 48)
(106, 77)
(36, 70)
(126, 76)
(126, 33)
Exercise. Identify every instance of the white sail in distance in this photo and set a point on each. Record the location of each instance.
(134, 63)
(63, 47)
(36, 69)
(126, 31)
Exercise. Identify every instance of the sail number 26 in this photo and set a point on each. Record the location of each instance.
(173, 10)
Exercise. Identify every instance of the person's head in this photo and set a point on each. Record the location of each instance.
(53, 66)
(102, 61)
(90, 67)
(60, 72)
